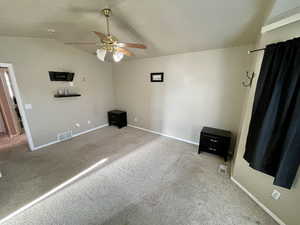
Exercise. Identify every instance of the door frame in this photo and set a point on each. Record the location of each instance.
(19, 103)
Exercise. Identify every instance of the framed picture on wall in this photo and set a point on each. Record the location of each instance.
(157, 77)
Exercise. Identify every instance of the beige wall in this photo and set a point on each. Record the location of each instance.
(260, 185)
(200, 89)
(32, 58)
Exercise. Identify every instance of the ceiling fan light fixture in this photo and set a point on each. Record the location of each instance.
(101, 53)
(118, 56)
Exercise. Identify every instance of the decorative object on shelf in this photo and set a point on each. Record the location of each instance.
(117, 118)
(157, 77)
(250, 79)
(215, 141)
(110, 49)
(65, 92)
(60, 92)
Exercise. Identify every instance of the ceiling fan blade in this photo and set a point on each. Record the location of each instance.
(81, 43)
(124, 51)
(100, 35)
(131, 45)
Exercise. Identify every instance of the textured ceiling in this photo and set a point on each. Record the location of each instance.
(165, 26)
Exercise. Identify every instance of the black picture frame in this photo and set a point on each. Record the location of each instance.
(157, 77)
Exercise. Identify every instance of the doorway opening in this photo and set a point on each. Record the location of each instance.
(12, 132)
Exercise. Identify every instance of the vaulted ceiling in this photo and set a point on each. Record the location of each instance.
(282, 6)
(283, 9)
(165, 26)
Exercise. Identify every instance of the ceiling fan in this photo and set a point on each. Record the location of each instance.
(110, 49)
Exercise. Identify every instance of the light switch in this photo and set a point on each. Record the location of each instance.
(28, 106)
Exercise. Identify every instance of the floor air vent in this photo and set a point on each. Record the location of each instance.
(64, 136)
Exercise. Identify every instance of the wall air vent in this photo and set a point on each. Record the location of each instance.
(64, 136)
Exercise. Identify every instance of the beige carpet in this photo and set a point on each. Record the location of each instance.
(146, 179)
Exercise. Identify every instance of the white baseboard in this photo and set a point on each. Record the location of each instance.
(276, 218)
(45, 145)
(90, 130)
(74, 135)
(165, 135)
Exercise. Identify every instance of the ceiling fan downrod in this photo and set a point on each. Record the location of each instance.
(107, 13)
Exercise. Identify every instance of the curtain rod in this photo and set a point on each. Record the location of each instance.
(262, 49)
(256, 50)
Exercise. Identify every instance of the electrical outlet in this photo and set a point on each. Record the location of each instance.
(275, 195)
(71, 84)
(89, 122)
(136, 119)
(77, 125)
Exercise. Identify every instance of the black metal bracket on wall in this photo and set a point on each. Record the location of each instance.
(250, 79)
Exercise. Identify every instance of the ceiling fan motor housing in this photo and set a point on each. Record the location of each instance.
(106, 12)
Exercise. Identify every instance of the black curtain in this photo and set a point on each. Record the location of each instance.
(273, 142)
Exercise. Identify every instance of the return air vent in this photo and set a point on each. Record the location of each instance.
(64, 136)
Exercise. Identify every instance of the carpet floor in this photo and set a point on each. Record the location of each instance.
(145, 179)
